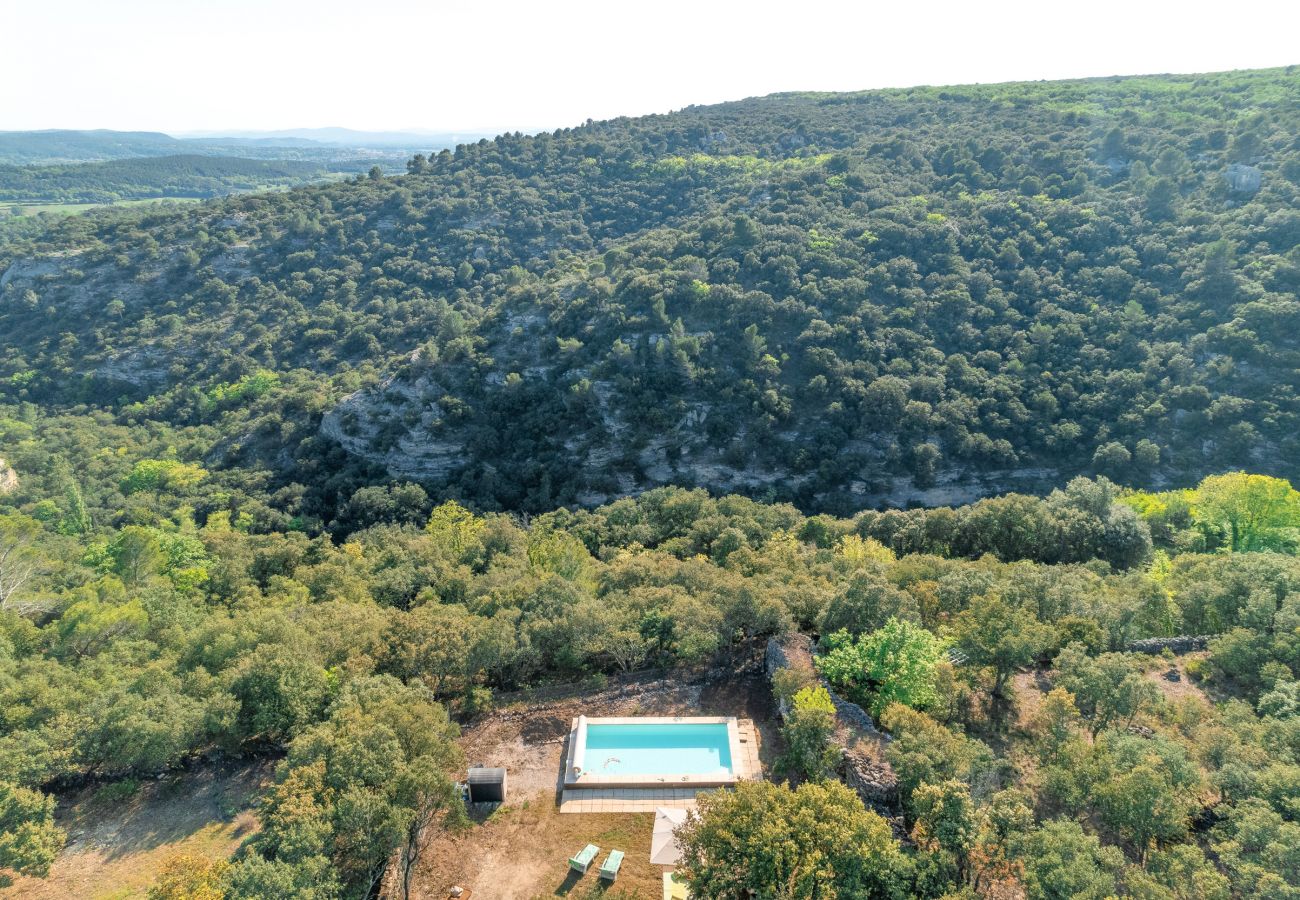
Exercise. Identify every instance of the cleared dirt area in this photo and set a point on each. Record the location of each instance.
(117, 845)
(1171, 677)
(520, 851)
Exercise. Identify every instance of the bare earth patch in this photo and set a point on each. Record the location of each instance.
(520, 851)
(1182, 688)
(116, 848)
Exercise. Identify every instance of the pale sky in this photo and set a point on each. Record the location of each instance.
(191, 65)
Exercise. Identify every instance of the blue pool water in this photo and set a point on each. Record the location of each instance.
(664, 749)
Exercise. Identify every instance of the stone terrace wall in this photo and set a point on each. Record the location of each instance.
(794, 651)
(864, 769)
(1181, 644)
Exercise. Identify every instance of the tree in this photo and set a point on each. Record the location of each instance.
(1112, 458)
(559, 553)
(1108, 689)
(1251, 509)
(368, 826)
(430, 797)
(1143, 807)
(91, 625)
(1161, 198)
(814, 843)
(361, 786)
(1257, 847)
(993, 634)
(945, 820)
(160, 475)
(29, 839)
(1003, 821)
(280, 692)
(135, 554)
(21, 558)
(807, 732)
(1063, 862)
(867, 601)
(186, 877)
(434, 643)
(454, 529)
(894, 664)
(1146, 454)
(259, 878)
(404, 503)
(76, 517)
(1055, 722)
(1180, 873)
(924, 751)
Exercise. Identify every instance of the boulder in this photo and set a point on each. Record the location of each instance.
(1243, 181)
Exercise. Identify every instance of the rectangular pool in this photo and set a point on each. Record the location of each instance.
(652, 751)
(684, 748)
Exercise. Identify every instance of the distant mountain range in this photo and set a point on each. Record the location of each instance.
(70, 146)
(346, 137)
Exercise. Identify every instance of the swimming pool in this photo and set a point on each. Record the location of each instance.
(655, 751)
(684, 748)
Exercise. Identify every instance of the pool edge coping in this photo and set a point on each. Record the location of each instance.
(578, 739)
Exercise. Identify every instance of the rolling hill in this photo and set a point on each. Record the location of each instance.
(838, 299)
(330, 482)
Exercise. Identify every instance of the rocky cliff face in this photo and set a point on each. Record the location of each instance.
(8, 477)
(405, 426)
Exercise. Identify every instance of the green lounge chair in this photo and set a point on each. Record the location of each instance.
(609, 870)
(583, 860)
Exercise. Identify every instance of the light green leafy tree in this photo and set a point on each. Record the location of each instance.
(1253, 511)
(807, 731)
(29, 839)
(894, 664)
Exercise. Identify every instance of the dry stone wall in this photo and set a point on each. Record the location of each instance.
(1181, 644)
(863, 768)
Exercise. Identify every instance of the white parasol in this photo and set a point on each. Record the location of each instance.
(664, 850)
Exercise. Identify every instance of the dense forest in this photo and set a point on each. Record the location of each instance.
(316, 475)
(837, 300)
(152, 176)
(157, 614)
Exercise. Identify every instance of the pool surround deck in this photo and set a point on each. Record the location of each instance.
(591, 796)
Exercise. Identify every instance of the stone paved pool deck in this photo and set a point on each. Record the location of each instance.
(745, 765)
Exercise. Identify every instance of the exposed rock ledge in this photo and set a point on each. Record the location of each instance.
(8, 477)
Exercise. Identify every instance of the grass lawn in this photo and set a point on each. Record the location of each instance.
(521, 852)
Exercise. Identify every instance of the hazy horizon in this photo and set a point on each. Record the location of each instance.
(183, 66)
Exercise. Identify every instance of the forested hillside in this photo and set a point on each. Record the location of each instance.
(920, 295)
(39, 147)
(156, 615)
(318, 475)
